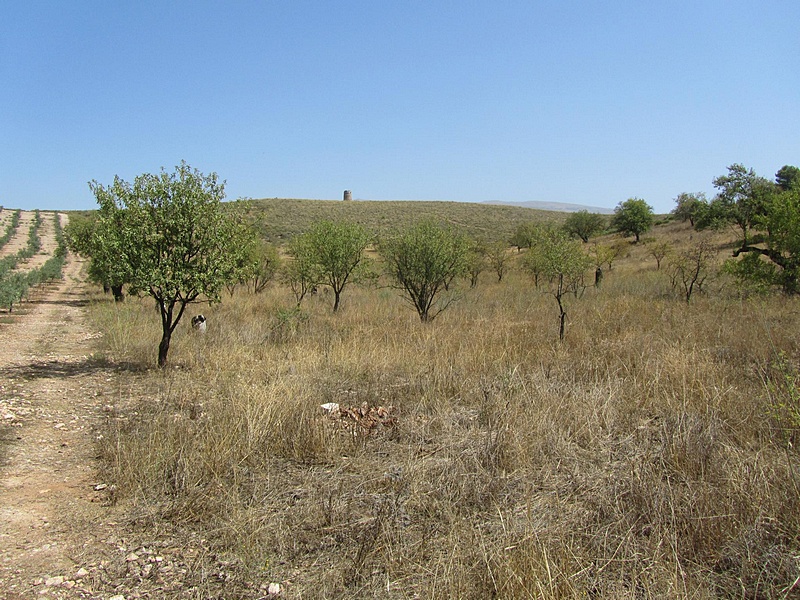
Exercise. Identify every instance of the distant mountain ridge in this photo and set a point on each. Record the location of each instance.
(555, 206)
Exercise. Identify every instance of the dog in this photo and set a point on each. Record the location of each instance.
(199, 323)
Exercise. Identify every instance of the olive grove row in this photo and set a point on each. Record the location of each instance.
(15, 283)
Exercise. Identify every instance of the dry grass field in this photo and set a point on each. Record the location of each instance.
(652, 454)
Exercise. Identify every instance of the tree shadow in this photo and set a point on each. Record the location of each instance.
(72, 303)
(46, 369)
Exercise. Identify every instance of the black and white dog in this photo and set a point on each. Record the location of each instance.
(199, 323)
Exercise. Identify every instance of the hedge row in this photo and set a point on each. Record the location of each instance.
(11, 228)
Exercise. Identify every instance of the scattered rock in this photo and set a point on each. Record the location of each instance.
(81, 573)
(53, 581)
(274, 589)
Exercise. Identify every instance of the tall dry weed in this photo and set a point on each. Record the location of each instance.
(635, 460)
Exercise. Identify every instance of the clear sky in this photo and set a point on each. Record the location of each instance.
(589, 102)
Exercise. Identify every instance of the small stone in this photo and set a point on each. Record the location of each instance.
(117, 597)
(274, 589)
(132, 557)
(53, 581)
(100, 486)
(81, 573)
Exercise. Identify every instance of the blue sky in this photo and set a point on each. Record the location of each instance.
(589, 102)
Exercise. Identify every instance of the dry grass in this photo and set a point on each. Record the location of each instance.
(643, 458)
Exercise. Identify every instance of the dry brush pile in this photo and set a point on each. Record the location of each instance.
(651, 455)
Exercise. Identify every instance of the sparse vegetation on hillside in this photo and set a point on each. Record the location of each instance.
(281, 219)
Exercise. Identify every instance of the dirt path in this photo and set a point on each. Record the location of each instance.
(50, 513)
(60, 537)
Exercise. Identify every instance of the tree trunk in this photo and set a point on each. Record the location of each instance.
(117, 291)
(163, 348)
(336, 294)
(598, 277)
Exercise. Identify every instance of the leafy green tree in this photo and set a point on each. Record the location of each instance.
(103, 251)
(338, 250)
(775, 260)
(633, 217)
(584, 224)
(422, 261)
(742, 199)
(690, 206)
(525, 235)
(563, 264)
(787, 177)
(13, 288)
(171, 238)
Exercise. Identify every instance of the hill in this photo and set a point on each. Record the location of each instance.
(280, 218)
(557, 206)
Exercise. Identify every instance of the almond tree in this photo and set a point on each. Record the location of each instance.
(336, 249)
(584, 224)
(172, 238)
(690, 269)
(422, 261)
(563, 264)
